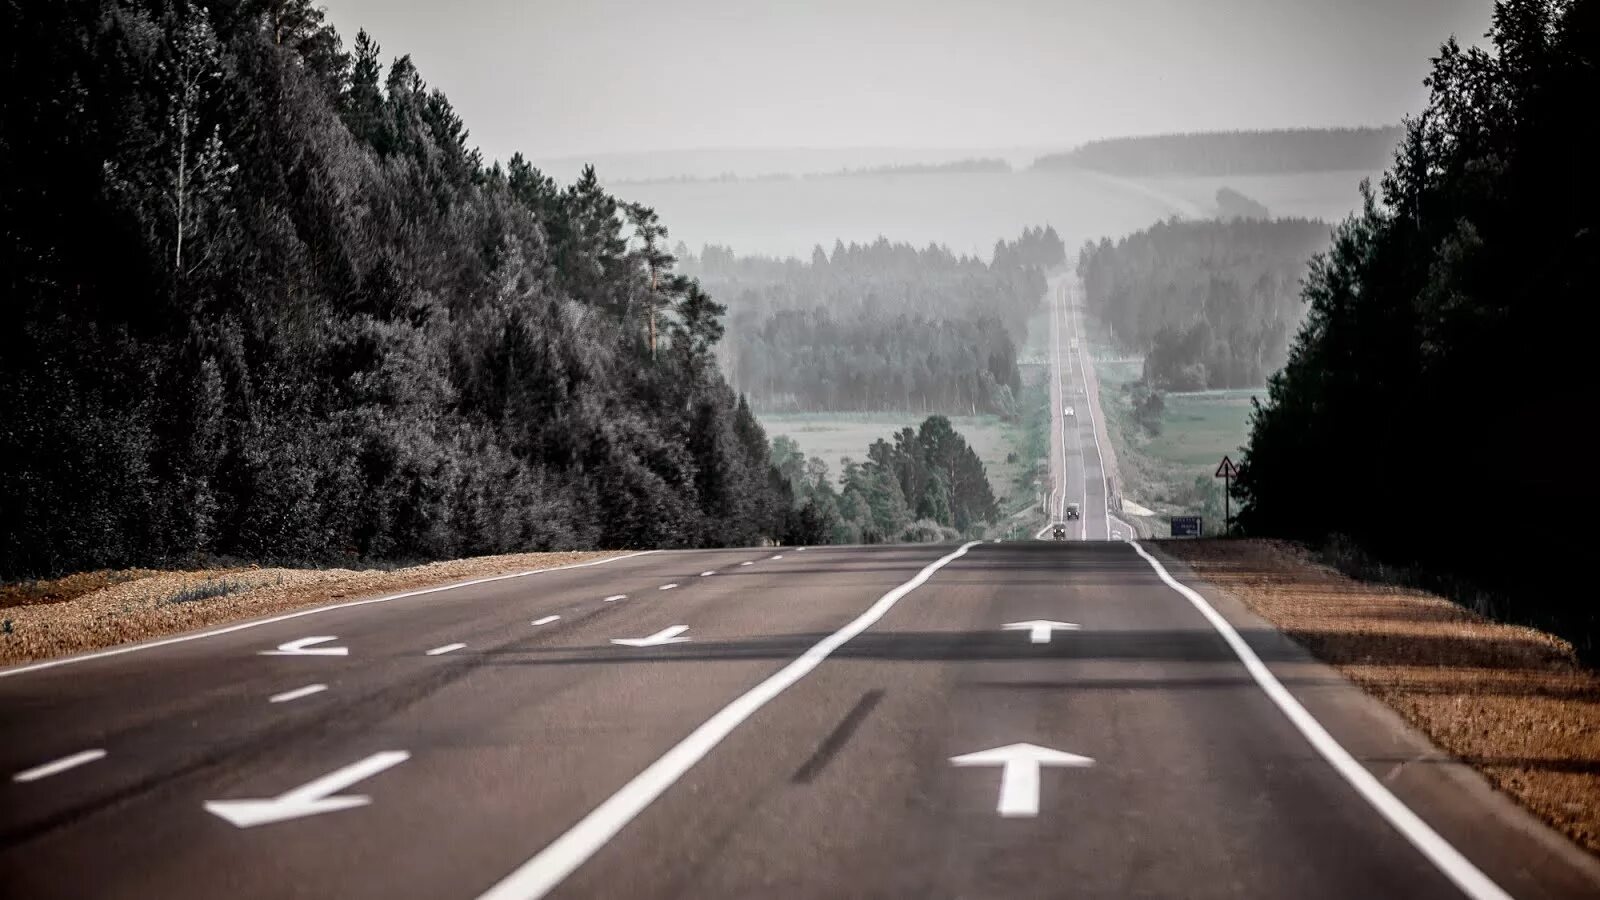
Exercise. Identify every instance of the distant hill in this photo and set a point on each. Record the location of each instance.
(954, 167)
(1233, 152)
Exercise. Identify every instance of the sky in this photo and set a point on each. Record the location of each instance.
(561, 78)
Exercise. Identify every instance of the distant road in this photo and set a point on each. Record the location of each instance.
(1077, 468)
(1016, 720)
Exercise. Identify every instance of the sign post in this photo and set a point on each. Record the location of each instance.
(1226, 470)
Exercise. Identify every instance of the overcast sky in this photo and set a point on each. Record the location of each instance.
(563, 77)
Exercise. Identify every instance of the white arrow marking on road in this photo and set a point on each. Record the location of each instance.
(664, 636)
(615, 597)
(546, 620)
(1019, 775)
(303, 647)
(310, 799)
(1039, 629)
(297, 693)
(60, 765)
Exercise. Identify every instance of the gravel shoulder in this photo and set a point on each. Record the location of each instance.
(1513, 702)
(94, 610)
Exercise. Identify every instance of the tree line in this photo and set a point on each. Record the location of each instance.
(926, 484)
(1431, 408)
(1268, 152)
(264, 300)
(881, 326)
(1210, 304)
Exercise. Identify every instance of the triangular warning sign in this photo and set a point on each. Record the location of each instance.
(1227, 469)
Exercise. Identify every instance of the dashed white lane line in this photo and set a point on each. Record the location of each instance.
(667, 587)
(747, 563)
(549, 867)
(116, 651)
(615, 597)
(704, 574)
(58, 766)
(546, 620)
(1445, 857)
(297, 693)
(447, 648)
(779, 556)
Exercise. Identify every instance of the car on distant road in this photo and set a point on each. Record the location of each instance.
(1059, 532)
(1067, 411)
(1072, 510)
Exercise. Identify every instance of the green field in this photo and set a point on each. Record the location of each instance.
(836, 435)
(1172, 471)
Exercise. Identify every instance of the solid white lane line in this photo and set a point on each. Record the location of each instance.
(615, 597)
(667, 587)
(447, 648)
(58, 766)
(550, 866)
(297, 693)
(67, 660)
(1446, 858)
(546, 620)
(704, 574)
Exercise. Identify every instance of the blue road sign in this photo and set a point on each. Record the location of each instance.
(1185, 526)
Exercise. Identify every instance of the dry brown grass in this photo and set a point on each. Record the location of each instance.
(93, 610)
(1514, 702)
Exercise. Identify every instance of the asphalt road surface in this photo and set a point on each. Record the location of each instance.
(1034, 719)
(1077, 471)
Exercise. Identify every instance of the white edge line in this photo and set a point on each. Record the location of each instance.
(546, 620)
(114, 651)
(1446, 858)
(297, 693)
(58, 766)
(447, 648)
(550, 866)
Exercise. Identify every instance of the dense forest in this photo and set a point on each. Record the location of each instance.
(881, 326)
(925, 485)
(1210, 304)
(1430, 408)
(1232, 152)
(264, 300)
(1233, 205)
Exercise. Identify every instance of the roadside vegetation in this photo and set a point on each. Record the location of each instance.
(265, 301)
(923, 484)
(1168, 445)
(1403, 420)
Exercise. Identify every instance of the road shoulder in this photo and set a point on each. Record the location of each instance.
(147, 605)
(1465, 704)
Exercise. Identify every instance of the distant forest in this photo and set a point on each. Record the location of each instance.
(925, 485)
(1433, 407)
(957, 167)
(263, 300)
(1210, 304)
(1233, 152)
(881, 326)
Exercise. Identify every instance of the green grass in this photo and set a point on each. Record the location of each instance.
(836, 435)
(1173, 472)
(208, 589)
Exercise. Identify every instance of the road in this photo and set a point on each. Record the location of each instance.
(1077, 465)
(1032, 719)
